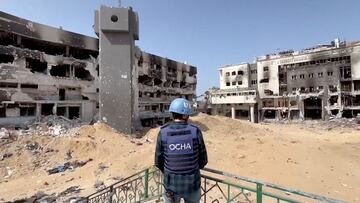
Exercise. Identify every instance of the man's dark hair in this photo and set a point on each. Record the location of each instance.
(177, 116)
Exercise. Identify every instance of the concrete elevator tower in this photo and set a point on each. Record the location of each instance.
(117, 28)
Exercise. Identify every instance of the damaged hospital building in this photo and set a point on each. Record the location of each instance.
(316, 83)
(50, 71)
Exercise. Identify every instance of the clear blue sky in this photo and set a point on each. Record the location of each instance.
(210, 33)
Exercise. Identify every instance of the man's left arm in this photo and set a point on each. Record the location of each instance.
(203, 159)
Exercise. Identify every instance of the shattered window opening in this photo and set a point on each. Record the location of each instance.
(83, 74)
(36, 66)
(60, 71)
(74, 112)
(29, 86)
(4, 58)
(8, 85)
(2, 112)
(47, 109)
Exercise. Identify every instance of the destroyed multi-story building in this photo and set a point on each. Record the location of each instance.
(50, 71)
(237, 96)
(315, 83)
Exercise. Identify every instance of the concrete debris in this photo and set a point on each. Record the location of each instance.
(54, 126)
(343, 123)
(68, 165)
(4, 156)
(102, 167)
(69, 195)
(33, 146)
(70, 180)
(68, 155)
(99, 185)
(8, 173)
(117, 178)
(70, 190)
(4, 134)
(335, 123)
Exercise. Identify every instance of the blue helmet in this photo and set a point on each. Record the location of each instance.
(180, 106)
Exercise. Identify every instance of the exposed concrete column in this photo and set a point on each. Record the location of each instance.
(117, 29)
(67, 51)
(48, 69)
(21, 62)
(54, 110)
(252, 114)
(301, 109)
(18, 40)
(72, 71)
(233, 112)
(38, 111)
(67, 112)
(325, 105)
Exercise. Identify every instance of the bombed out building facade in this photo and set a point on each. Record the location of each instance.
(315, 83)
(49, 71)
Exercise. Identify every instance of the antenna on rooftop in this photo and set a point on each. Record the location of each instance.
(119, 2)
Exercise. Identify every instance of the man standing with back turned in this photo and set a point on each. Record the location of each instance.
(180, 154)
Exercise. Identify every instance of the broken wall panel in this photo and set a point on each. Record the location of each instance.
(38, 72)
(58, 72)
(160, 81)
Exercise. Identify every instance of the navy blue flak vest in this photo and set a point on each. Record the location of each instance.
(181, 149)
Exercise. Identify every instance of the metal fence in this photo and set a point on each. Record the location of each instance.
(216, 186)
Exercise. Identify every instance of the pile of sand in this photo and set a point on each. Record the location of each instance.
(309, 159)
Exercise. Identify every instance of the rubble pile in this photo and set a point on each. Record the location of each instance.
(68, 166)
(334, 122)
(69, 195)
(53, 126)
(342, 123)
(6, 137)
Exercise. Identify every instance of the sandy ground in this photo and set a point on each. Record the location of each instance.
(293, 155)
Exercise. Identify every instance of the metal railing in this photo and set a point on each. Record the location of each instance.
(140, 187)
(216, 186)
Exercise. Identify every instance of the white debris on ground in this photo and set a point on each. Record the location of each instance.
(53, 126)
(332, 123)
(4, 134)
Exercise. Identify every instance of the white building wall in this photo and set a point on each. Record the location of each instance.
(271, 74)
(226, 76)
(233, 99)
(355, 63)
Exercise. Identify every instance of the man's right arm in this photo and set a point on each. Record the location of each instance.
(159, 154)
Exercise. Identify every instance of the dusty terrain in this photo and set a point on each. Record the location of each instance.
(311, 159)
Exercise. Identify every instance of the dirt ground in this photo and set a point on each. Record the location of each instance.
(311, 159)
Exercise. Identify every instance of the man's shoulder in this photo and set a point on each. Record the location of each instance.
(164, 126)
(194, 126)
(175, 125)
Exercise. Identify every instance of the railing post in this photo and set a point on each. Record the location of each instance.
(205, 190)
(258, 193)
(111, 194)
(228, 195)
(146, 189)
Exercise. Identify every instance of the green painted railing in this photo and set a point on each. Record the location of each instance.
(216, 186)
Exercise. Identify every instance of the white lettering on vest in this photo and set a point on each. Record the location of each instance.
(178, 147)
